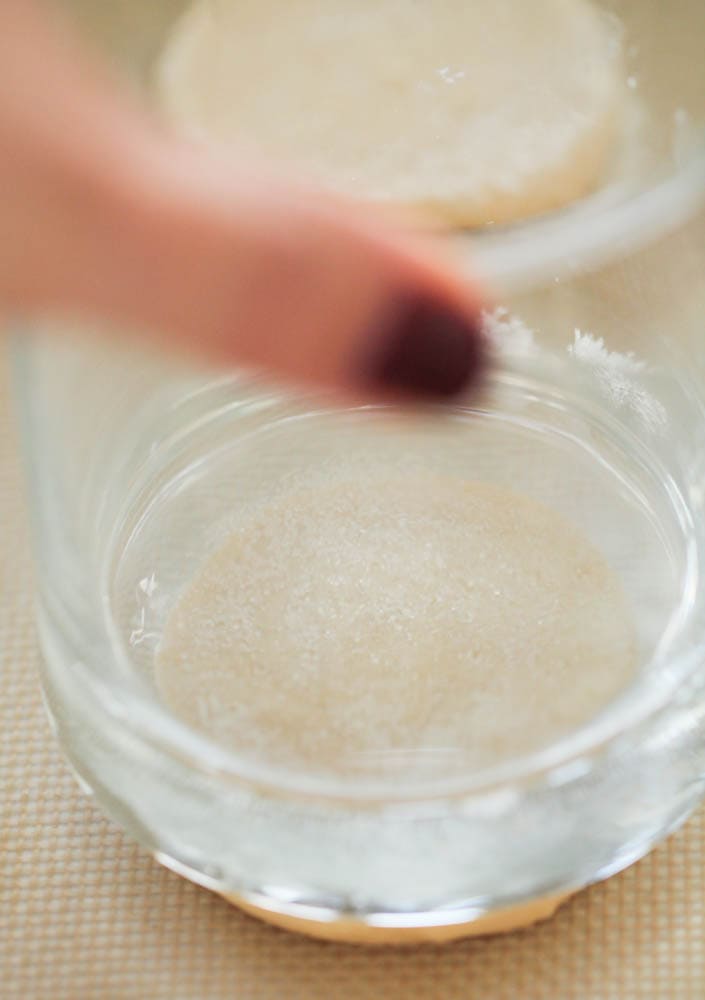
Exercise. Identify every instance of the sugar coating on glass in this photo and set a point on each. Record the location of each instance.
(508, 333)
(619, 378)
(360, 623)
(473, 112)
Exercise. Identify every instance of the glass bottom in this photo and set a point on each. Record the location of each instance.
(545, 441)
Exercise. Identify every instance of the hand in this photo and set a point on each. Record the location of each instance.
(105, 215)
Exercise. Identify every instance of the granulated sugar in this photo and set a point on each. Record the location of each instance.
(357, 621)
(617, 377)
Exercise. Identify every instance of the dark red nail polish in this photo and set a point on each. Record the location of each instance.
(428, 351)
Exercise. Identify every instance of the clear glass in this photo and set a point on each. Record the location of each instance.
(597, 408)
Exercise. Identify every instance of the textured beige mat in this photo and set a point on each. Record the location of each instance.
(85, 914)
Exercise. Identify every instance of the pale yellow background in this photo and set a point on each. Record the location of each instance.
(85, 914)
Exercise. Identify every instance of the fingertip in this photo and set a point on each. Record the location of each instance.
(424, 349)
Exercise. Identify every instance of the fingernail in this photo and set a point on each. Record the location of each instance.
(427, 350)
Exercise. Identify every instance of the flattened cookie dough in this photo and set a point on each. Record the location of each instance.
(355, 932)
(471, 113)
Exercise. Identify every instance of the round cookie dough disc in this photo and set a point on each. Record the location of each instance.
(477, 112)
(356, 932)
